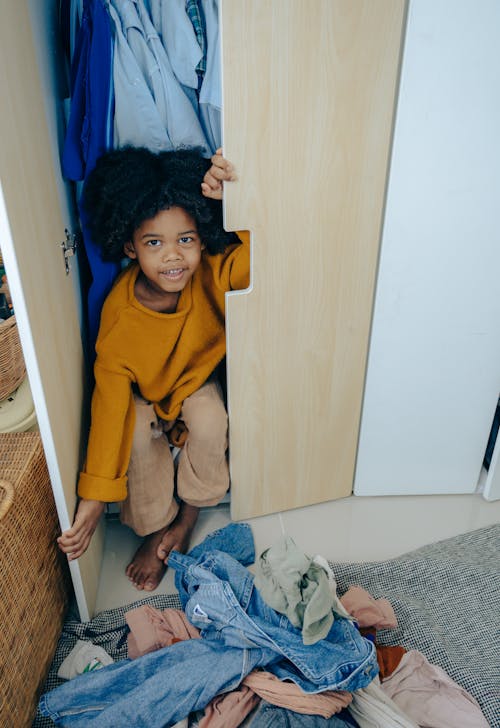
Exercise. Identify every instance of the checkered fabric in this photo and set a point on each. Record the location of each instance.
(446, 597)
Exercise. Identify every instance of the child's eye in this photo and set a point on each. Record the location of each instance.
(154, 243)
(185, 240)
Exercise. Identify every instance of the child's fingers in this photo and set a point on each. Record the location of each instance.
(212, 181)
(223, 171)
(213, 194)
(74, 546)
(221, 163)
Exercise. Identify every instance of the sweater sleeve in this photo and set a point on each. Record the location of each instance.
(231, 269)
(104, 476)
(239, 272)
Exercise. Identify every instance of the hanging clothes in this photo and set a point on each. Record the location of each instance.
(182, 44)
(211, 88)
(137, 79)
(90, 133)
(151, 108)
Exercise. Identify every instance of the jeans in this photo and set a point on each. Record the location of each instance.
(240, 632)
(219, 597)
(157, 689)
(271, 716)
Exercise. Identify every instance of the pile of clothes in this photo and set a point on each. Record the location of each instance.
(272, 650)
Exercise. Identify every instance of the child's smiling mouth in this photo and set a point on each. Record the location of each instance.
(173, 274)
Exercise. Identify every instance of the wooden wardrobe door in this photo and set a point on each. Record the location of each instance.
(309, 89)
(31, 230)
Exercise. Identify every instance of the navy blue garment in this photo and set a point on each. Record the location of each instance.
(272, 716)
(90, 134)
(90, 126)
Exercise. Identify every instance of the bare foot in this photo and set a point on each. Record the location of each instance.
(177, 535)
(146, 570)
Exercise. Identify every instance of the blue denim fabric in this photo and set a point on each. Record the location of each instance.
(219, 597)
(163, 687)
(157, 689)
(271, 716)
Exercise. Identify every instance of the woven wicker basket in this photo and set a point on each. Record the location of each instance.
(12, 367)
(33, 577)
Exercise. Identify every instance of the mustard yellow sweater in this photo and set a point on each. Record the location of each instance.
(167, 355)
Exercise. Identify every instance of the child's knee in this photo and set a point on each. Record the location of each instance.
(207, 421)
(206, 418)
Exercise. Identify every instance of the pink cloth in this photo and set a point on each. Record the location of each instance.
(430, 697)
(152, 629)
(289, 695)
(367, 611)
(229, 710)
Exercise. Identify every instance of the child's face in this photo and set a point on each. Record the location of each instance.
(168, 250)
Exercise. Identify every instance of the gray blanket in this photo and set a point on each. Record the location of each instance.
(446, 597)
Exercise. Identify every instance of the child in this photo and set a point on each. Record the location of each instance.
(161, 336)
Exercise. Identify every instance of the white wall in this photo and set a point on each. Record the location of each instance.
(433, 376)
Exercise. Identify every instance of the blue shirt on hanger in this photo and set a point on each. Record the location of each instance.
(211, 88)
(151, 108)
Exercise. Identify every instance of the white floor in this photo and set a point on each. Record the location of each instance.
(350, 529)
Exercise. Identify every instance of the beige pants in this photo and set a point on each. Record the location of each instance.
(202, 473)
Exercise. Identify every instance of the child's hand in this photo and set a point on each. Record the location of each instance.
(220, 171)
(74, 542)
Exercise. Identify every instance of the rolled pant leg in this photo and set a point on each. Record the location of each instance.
(150, 504)
(203, 473)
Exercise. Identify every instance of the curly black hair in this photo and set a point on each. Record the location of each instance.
(130, 185)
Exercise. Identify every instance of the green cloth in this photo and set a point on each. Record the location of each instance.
(293, 584)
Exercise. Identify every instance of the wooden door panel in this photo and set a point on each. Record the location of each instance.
(309, 90)
(31, 229)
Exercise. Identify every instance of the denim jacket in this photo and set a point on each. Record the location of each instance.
(241, 633)
(219, 597)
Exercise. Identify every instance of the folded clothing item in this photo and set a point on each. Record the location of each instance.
(84, 657)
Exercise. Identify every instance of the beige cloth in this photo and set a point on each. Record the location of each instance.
(367, 611)
(288, 695)
(372, 708)
(430, 697)
(202, 474)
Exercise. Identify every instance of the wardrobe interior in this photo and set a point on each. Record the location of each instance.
(363, 374)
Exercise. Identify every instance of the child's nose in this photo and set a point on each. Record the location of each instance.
(171, 251)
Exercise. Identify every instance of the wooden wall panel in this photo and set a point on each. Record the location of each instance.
(309, 89)
(31, 232)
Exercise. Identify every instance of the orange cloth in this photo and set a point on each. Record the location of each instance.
(167, 355)
(288, 695)
(388, 659)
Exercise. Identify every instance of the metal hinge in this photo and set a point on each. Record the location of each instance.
(69, 247)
